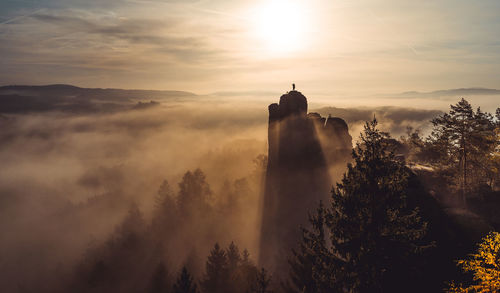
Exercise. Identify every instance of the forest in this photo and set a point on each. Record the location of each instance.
(414, 213)
(410, 214)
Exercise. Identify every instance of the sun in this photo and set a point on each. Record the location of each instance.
(281, 25)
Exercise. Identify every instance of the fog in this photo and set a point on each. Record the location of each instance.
(69, 177)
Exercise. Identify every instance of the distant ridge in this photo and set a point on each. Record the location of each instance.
(71, 89)
(70, 98)
(454, 92)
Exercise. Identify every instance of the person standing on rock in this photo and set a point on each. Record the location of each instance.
(293, 86)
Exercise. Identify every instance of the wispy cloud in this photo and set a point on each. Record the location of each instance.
(19, 17)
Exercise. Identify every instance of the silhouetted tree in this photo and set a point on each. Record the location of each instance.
(164, 197)
(229, 271)
(131, 230)
(185, 283)
(369, 239)
(310, 255)
(261, 283)
(216, 275)
(165, 216)
(194, 192)
(233, 257)
(241, 271)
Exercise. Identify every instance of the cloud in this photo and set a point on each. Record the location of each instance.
(58, 45)
(135, 32)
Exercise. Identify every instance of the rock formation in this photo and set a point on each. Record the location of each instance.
(303, 150)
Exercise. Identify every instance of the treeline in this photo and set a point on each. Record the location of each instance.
(166, 253)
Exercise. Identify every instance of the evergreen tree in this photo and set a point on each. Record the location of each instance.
(247, 271)
(465, 139)
(228, 271)
(234, 271)
(369, 239)
(130, 233)
(261, 283)
(233, 257)
(164, 197)
(194, 193)
(312, 254)
(165, 219)
(185, 283)
(216, 275)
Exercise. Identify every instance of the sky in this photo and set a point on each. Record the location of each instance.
(324, 46)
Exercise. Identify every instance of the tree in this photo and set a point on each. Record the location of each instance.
(484, 265)
(310, 256)
(194, 192)
(369, 238)
(228, 271)
(165, 210)
(216, 275)
(130, 233)
(185, 283)
(465, 138)
(235, 277)
(164, 197)
(233, 257)
(261, 283)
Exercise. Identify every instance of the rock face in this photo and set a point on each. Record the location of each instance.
(304, 151)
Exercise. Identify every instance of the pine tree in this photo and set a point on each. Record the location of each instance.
(234, 271)
(185, 283)
(247, 273)
(194, 193)
(165, 211)
(216, 275)
(369, 239)
(129, 234)
(233, 257)
(261, 283)
(310, 255)
(164, 198)
(465, 138)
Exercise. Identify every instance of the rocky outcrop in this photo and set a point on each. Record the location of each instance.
(304, 149)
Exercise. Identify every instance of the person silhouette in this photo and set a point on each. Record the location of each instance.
(293, 86)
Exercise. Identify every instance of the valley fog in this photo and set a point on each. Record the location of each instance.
(69, 178)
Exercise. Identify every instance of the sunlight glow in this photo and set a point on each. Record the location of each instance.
(281, 25)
